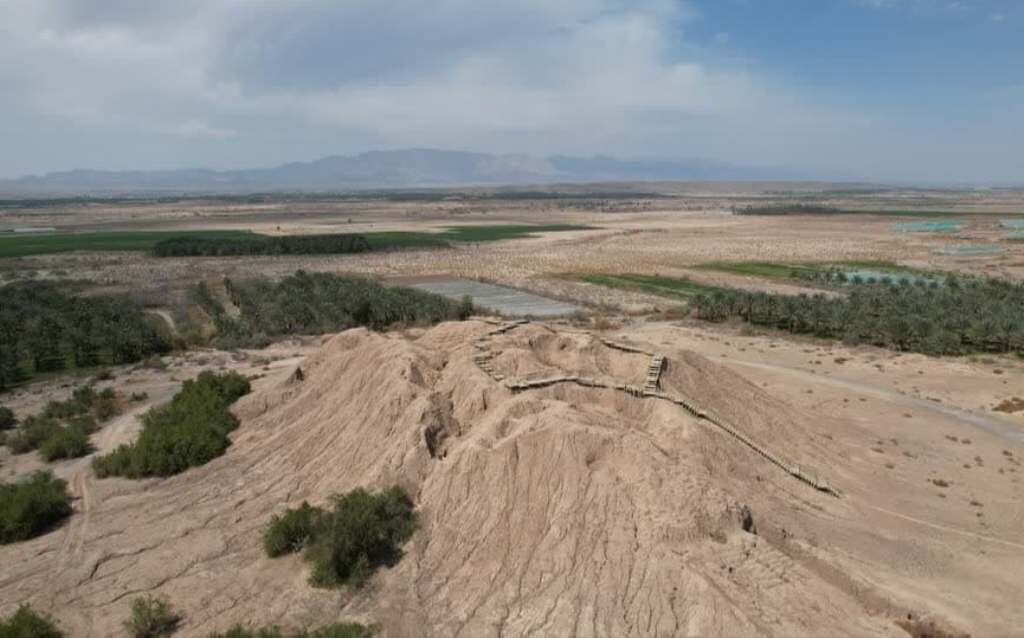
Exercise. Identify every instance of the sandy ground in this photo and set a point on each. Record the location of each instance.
(158, 382)
(668, 243)
(574, 511)
(561, 511)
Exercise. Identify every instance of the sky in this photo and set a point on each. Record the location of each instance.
(895, 90)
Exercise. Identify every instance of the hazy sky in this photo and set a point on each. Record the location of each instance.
(896, 89)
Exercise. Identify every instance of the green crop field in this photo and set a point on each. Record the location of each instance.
(21, 245)
(769, 210)
(509, 231)
(25, 244)
(804, 271)
(653, 284)
(397, 240)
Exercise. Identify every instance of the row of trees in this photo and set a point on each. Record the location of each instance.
(790, 209)
(318, 303)
(840, 276)
(957, 318)
(337, 244)
(44, 329)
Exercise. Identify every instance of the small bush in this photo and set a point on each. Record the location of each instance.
(26, 623)
(362, 532)
(85, 395)
(289, 532)
(64, 409)
(151, 618)
(139, 396)
(86, 422)
(189, 431)
(345, 544)
(7, 420)
(34, 430)
(84, 401)
(68, 442)
(238, 631)
(106, 408)
(30, 507)
(337, 630)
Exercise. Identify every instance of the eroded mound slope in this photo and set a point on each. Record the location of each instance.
(560, 510)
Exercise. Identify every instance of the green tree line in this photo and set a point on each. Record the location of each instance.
(45, 329)
(337, 244)
(976, 315)
(318, 303)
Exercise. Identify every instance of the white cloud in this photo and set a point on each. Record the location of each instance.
(198, 129)
(574, 76)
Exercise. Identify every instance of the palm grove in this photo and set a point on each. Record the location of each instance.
(44, 329)
(959, 317)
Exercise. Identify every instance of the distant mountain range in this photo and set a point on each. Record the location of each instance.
(412, 168)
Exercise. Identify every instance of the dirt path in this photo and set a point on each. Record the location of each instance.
(945, 528)
(1004, 429)
(80, 482)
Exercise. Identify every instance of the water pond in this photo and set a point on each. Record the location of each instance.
(967, 250)
(931, 226)
(506, 301)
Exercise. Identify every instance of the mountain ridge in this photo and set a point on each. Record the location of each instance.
(405, 168)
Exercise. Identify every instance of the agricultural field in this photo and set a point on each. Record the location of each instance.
(235, 242)
(25, 244)
(791, 410)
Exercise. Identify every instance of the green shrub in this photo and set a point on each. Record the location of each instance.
(86, 422)
(360, 533)
(64, 409)
(34, 430)
(106, 408)
(68, 442)
(85, 395)
(151, 618)
(26, 623)
(289, 532)
(336, 630)
(339, 630)
(84, 401)
(30, 507)
(189, 431)
(238, 631)
(7, 420)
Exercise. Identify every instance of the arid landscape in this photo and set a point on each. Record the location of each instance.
(630, 468)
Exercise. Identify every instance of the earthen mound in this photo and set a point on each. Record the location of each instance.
(560, 510)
